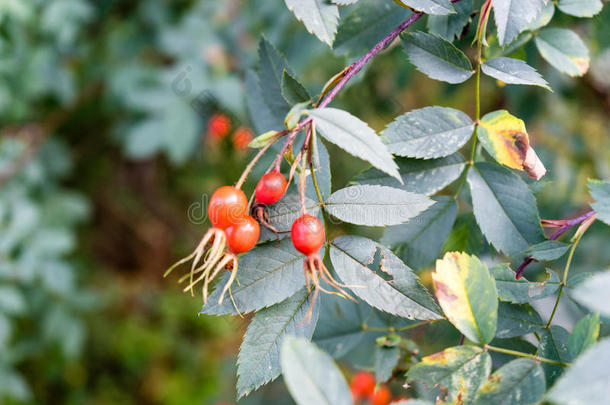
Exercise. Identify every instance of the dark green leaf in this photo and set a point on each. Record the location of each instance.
(505, 208)
(283, 213)
(267, 274)
(465, 235)
(311, 375)
(586, 381)
(593, 293)
(432, 7)
(355, 137)
(259, 355)
(388, 284)
(548, 250)
(292, 90)
(271, 66)
(437, 57)
(451, 26)
(513, 71)
(418, 175)
(462, 370)
(554, 345)
(375, 205)
(263, 118)
(428, 132)
(420, 240)
(564, 50)
(513, 16)
(517, 320)
(339, 328)
(584, 335)
(386, 359)
(366, 25)
(320, 17)
(522, 291)
(600, 191)
(580, 8)
(519, 382)
(467, 294)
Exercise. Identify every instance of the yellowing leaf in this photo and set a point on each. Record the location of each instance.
(505, 138)
(467, 294)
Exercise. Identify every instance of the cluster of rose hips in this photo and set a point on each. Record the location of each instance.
(219, 126)
(363, 389)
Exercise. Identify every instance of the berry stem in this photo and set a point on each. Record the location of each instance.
(526, 355)
(575, 239)
(256, 158)
(566, 225)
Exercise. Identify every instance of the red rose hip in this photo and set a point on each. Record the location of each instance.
(227, 206)
(270, 188)
(307, 234)
(243, 235)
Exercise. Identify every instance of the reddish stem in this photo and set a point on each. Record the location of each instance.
(567, 224)
(353, 69)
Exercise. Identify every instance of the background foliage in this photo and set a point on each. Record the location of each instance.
(104, 108)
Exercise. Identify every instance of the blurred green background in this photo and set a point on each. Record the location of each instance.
(106, 158)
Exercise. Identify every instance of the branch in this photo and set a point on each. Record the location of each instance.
(352, 70)
(564, 226)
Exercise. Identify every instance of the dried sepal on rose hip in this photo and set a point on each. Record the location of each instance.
(269, 190)
(232, 233)
(308, 236)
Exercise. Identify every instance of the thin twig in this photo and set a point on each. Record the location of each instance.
(566, 224)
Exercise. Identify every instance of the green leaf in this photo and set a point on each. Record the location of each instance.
(517, 320)
(543, 19)
(600, 191)
(429, 132)
(586, 381)
(267, 274)
(467, 294)
(386, 359)
(584, 335)
(580, 8)
(283, 213)
(271, 67)
(593, 293)
(388, 284)
(432, 7)
(259, 355)
(419, 241)
(513, 71)
(311, 375)
(519, 382)
(564, 50)
(262, 139)
(465, 235)
(320, 17)
(505, 208)
(554, 345)
(548, 250)
(263, 118)
(375, 205)
(514, 16)
(339, 327)
(451, 26)
(437, 57)
(366, 25)
(461, 369)
(418, 175)
(292, 90)
(355, 137)
(522, 291)
(505, 138)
